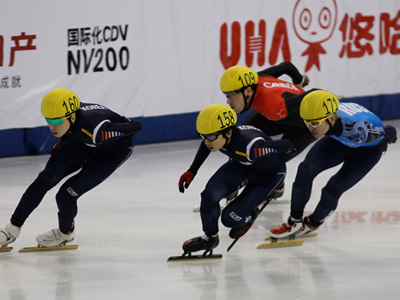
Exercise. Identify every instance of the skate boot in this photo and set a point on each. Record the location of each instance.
(203, 242)
(278, 192)
(289, 229)
(9, 234)
(307, 227)
(54, 238)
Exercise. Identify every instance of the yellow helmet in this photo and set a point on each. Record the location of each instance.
(318, 104)
(236, 78)
(59, 103)
(214, 118)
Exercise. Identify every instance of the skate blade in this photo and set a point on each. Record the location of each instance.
(43, 248)
(4, 248)
(307, 235)
(279, 201)
(278, 244)
(197, 208)
(194, 257)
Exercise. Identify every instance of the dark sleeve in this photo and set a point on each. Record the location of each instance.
(112, 131)
(284, 68)
(263, 149)
(282, 146)
(293, 101)
(201, 156)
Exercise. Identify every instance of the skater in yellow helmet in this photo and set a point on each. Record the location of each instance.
(256, 162)
(276, 102)
(93, 140)
(348, 134)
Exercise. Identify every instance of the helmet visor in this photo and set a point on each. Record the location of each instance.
(56, 122)
(232, 94)
(210, 137)
(315, 123)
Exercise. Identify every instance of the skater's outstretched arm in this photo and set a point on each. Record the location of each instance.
(187, 177)
(286, 68)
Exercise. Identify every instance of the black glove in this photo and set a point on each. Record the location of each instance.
(126, 119)
(305, 81)
(289, 155)
(390, 134)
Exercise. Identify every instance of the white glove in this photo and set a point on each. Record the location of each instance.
(305, 81)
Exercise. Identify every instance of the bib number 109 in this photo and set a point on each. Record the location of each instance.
(247, 79)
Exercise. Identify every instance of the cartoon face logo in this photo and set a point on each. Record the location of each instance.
(314, 21)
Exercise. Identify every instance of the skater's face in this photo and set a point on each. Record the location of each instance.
(62, 126)
(219, 142)
(236, 100)
(319, 128)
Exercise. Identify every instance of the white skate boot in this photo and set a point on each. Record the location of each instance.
(307, 227)
(54, 238)
(293, 228)
(9, 234)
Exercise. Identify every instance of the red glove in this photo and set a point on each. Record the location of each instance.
(185, 180)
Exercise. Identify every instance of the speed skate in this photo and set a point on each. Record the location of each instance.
(43, 248)
(208, 254)
(289, 241)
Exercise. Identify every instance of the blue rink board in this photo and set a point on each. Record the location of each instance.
(38, 140)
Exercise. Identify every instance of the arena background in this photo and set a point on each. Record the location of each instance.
(161, 61)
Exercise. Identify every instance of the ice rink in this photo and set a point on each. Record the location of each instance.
(128, 226)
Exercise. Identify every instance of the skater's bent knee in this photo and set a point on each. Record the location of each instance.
(208, 199)
(305, 171)
(230, 219)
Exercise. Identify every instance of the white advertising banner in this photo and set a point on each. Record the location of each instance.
(154, 58)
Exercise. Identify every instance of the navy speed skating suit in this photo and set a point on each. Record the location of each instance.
(98, 142)
(357, 139)
(256, 161)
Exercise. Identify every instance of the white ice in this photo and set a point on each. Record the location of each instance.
(129, 225)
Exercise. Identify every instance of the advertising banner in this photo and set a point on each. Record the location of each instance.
(148, 58)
